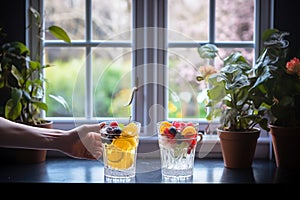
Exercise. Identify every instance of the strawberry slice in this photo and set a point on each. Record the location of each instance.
(192, 142)
(189, 124)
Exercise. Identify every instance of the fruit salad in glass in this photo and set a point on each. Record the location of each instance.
(120, 144)
(177, 142)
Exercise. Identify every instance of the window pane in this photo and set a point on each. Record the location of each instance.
(69, 14)
(108, 70)
(112, 81)
(110, 18)
(188, 17)
(62, 78)
(234, 20)
(184, 90)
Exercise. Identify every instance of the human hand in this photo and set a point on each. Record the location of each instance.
(84, 142)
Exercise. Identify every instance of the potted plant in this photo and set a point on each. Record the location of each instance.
(231, 98)
(21, 77)
(279, 91)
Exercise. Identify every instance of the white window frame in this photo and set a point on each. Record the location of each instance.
(150, 27)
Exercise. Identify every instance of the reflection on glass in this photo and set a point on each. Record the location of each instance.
(177, 179)
(240, 175)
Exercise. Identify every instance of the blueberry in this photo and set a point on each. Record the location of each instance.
(173, 130)
(109, 130)
(117, 131)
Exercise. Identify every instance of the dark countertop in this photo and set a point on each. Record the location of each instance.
(206, 171)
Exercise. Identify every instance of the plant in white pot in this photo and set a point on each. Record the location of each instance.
(231, 95)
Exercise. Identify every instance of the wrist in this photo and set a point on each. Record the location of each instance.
(54, 140)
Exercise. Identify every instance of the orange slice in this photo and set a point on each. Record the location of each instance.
(122, 144)
(189, 130)
(125, 163)
(132, 140)
(114, 154)
(163, 125)
(130, 129)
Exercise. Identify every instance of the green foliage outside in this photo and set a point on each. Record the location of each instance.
(111, 92)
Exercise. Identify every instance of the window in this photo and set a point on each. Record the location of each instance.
(150, 45)
(192, 23)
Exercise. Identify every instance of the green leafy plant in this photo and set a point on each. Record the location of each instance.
(22, 77)
(231, 92)
(278, 80)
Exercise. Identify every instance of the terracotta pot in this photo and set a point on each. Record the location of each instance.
(238, 147)
(25, 156)
(286, 146)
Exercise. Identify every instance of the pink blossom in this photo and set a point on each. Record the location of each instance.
(207, 70)
(293, 66)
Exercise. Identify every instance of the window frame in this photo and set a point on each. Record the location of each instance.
(149, 23)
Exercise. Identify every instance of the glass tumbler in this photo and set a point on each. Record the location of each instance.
(120, 143)
(177, 143)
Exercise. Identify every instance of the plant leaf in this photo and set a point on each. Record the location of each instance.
(36, 14)
(59, 33)
(19, 48)
(60, 100)
(41, 105)
(208, 51)
(13, 106)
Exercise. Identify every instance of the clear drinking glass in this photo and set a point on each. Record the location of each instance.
(177, 143)
(120, 143)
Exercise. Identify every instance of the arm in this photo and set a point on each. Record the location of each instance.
(81, 142)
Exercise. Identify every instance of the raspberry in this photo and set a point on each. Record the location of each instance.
(168, 134)
(176, 124)
(114, 124)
